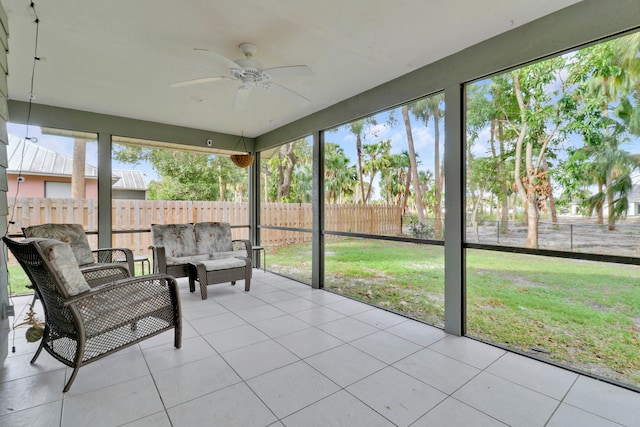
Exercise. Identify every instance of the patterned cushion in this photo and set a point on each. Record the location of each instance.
(227, 254)
(213, 237)
(64, 265)
(69, 233)
(179, 240)
(224, 264)
(186, 259)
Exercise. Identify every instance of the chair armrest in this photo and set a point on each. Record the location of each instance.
(113, 289)
(114, 255)
(159, 259)
(247, 246)
(97, 275)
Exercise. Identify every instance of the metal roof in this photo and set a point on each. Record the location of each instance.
(129, 180)
(32, 159)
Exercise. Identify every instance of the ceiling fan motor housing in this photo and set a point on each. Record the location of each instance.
(252, 74)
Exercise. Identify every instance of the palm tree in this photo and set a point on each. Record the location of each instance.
(377, 160)
(607, 74)
(358, 128)
(413, 163)
(340, 177)
(611, 168)
(396, 180)
(424, 109)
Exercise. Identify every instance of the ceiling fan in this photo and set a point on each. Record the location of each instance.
(251, 74)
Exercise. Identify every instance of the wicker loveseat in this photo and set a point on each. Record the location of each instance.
(204, 251)
(84, 323)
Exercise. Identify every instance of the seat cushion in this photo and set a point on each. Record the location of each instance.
(186, 259)
(213, 237)
(223, 264)
(227, 254)
(179, 240)
(73, 234)
(64, 265)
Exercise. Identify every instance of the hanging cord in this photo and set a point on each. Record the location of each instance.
(36, 58)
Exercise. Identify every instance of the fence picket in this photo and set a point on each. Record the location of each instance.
(140, 214)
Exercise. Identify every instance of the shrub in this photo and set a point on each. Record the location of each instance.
(421, 230)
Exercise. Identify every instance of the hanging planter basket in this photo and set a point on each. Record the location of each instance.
(242, 160)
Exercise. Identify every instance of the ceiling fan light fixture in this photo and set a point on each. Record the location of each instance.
(252, 74)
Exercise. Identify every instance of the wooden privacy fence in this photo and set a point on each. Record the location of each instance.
(132, 218)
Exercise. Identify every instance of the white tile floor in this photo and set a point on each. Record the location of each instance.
(285, 354)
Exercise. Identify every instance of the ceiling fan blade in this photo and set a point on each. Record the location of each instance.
(229, 63)
(242, 95)
(288, 71)
(286, 93)
(198, 81)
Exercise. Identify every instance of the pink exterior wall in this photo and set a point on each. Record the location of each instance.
(33, 185)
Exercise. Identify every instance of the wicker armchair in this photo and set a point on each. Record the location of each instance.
(74, 235)
(84, 323)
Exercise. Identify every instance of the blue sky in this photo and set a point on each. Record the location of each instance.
(64, 145)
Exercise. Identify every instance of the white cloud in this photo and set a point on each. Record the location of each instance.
(423, 138)
(481, 147)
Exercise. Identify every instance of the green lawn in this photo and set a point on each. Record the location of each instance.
(18, 280)
(578, 313)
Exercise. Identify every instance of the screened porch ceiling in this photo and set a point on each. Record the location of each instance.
(119, 57)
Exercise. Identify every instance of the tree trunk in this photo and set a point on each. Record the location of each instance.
(407, 186)
(287, 172)
(220, 183)
(600, 208)
(280, 177)
(436, 174)
(359, 153)
(527, 194)
(412, 162)
(532, 222)
(504, 185)
(368, 197)
(78, 169)
(611, 221)
(552, 200)
(266, 186)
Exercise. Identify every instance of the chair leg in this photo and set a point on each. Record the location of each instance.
(77, 362)
(35, 356)
(247, 279)
(71, 378)
(45, 333)
(193, 272)
(177, 336)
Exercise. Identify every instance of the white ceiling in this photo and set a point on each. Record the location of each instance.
(119, 56)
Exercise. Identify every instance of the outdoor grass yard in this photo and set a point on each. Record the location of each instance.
(18, 280)
(579, 313)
